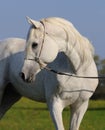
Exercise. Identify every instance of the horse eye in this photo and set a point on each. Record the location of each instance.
(34, 45)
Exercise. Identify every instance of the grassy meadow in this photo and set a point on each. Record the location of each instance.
(30, 115)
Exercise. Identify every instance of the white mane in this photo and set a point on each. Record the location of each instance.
(74, 39)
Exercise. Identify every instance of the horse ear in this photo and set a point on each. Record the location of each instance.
(33, 22)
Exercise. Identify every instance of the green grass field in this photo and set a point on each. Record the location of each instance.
(30, 115)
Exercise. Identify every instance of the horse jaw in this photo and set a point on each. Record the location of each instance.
(50, 50)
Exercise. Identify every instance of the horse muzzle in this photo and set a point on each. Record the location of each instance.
(29, 79)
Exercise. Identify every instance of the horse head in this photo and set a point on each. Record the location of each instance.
(40, 49)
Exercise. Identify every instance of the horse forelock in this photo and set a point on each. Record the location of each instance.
(74, 39)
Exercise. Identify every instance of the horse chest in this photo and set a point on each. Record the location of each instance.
(69, 88)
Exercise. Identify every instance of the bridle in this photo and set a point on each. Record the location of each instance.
(37, 58)
(44, 65)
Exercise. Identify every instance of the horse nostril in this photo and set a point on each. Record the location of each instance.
(22, 75)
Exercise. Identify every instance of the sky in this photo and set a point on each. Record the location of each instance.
(88, 16)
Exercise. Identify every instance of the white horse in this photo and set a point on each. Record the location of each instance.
(11, 56)
(45, 40)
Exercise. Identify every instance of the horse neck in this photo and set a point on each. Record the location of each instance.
(74, 58)
(75, 51)
(71, 42)
(71, 53)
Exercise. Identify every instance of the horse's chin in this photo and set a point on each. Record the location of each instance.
(29, 78)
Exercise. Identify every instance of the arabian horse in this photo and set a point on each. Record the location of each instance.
(51, 43)
(46, 40)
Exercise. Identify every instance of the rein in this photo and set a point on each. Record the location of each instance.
(73, 75)
(44, 66)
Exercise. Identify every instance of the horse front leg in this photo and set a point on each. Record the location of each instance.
(56, 108)
(77, 112)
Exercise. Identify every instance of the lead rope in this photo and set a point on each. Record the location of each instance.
(44, 66)
(73, 75)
